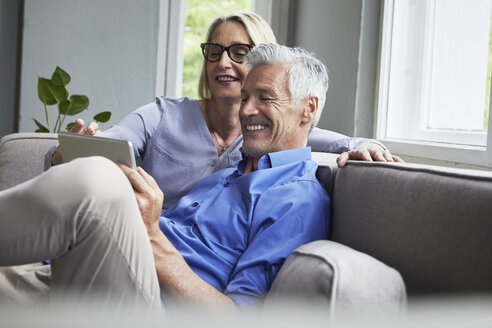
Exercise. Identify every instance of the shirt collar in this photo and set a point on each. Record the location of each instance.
(278, 158)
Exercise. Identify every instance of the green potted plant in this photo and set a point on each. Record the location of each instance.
(54, 92)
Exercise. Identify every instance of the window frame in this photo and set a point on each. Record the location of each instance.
(170, 48)
(480, 156)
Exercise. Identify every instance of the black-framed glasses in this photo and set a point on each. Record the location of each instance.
(213, 51)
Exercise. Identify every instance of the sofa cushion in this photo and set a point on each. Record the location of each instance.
(432, 224)
(326, 273)
(22, 156)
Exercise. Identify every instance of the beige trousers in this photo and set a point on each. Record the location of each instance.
(84, 217)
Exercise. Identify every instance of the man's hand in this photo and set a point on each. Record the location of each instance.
(91, 129)
(149, 196)
(174, 274)
(368, 152)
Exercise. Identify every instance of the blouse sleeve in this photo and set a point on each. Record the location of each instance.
(138, 127)
(332, 142)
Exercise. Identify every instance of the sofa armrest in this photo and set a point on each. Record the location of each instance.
(326, 273)
(22, 156)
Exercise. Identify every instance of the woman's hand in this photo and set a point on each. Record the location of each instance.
(92, 129)
(368, 152)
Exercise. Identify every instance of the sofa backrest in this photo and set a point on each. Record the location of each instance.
(432, 224)
(327, 169)
(22, 156)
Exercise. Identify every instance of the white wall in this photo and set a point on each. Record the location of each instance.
(108, 47)
(9, 20)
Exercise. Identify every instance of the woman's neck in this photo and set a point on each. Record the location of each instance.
(222, 120)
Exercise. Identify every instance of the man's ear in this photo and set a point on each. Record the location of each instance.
(310, 110)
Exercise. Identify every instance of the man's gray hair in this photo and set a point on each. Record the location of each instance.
(308, 76)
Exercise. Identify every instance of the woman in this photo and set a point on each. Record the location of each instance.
(181, 141)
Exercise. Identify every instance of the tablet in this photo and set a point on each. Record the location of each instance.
(75, 145)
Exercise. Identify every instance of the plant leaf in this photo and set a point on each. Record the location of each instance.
(44, 93)
(102, 117)
(60, 78)
(64, 107)
(59, 92)
(69, 126)
(79, 104)
(41, 127)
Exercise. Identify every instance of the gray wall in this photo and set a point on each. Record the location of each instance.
(332, 29)
(364, 120)
(10, 11)
(108, 47)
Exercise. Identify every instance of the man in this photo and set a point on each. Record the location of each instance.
(263, 223)
(220, 245)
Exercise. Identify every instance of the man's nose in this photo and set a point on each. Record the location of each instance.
(248, 107)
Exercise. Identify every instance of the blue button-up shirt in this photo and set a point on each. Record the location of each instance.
(236, 230)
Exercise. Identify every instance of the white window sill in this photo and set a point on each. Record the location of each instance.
(441, 153)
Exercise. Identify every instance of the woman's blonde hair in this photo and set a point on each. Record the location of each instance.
(257, 28)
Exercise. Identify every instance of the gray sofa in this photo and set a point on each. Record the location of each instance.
(397, 229)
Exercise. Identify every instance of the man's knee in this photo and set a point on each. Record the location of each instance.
(98, 176)
(93, 179)
(99, 196)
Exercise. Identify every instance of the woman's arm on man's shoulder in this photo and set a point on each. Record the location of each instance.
(350, 148)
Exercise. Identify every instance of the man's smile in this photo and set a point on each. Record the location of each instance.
(255, 127)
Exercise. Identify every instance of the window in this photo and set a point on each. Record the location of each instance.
(434, 81)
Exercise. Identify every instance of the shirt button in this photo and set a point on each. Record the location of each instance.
(226, 184)
(195, 204)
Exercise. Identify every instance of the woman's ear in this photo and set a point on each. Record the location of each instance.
(310, 110)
